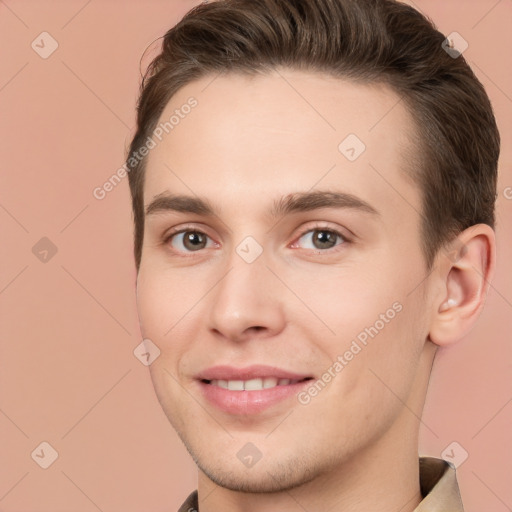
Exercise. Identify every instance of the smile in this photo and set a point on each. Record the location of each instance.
(256, 384)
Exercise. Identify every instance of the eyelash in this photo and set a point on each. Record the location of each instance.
(336, 248)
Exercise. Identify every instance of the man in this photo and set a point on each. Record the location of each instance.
(313, 190)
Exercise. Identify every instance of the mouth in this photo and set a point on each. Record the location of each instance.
(256, 384)
(249, 391)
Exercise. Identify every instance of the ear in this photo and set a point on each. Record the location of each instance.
(465, 271)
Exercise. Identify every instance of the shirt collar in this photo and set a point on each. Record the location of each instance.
(439, 487)
(438, 484)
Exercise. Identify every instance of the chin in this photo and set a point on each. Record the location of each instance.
(264, 477)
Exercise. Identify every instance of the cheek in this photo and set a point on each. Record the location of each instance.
(391, 342)
(368, 393)
(374, 323)
(168, 301)
(152, 305)
(348, 301)
(163, 300)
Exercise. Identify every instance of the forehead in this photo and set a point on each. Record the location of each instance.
(252, 137)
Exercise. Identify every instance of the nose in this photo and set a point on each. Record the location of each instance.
(246, 302)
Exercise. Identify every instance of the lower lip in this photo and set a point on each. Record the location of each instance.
(249, 402)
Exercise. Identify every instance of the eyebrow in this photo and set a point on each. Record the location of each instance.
(291, 203)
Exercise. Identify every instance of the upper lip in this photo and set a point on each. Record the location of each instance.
(224, 372)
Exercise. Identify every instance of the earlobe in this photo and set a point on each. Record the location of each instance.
(465, 283)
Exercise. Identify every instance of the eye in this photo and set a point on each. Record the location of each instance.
(188, 240)
(318, 238)
(321, 239)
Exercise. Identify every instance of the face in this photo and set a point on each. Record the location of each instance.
(275, 248)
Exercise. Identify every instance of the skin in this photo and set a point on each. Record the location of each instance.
(250, 141)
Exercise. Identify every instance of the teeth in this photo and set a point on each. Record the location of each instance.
(235, 385)
(252, 384)
(269, 382)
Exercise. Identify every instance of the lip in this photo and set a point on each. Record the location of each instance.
(248, 402)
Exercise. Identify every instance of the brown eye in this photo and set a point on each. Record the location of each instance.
(188, 240)
(324, 239)
(321, 239)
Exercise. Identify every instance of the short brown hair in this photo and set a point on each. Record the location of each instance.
(371, 41)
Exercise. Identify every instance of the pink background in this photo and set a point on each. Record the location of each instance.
(69, 325)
